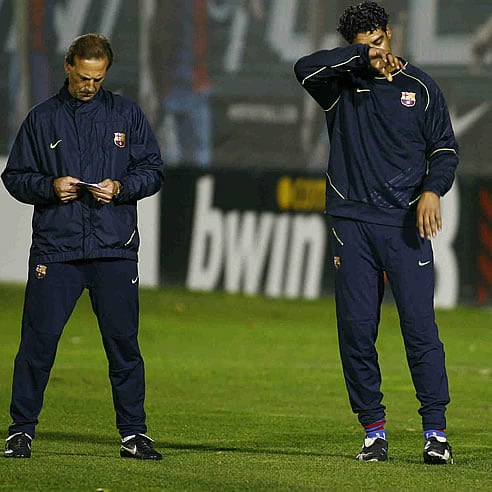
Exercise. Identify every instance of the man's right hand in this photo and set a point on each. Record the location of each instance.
(65, 188)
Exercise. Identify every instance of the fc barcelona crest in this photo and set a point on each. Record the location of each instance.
(40, 271)
(408, 99)
(119, 139)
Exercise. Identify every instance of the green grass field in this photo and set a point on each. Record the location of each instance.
(246, 394)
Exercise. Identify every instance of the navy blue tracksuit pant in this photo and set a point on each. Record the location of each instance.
(51, 294)
(362, 253)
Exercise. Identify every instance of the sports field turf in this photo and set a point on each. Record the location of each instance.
(246, 394)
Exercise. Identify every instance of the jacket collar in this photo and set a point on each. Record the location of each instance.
(65, 96)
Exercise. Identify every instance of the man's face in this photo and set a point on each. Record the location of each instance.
(375, 39)
(85, 77)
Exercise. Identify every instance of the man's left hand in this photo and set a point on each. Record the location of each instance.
(106, 191)
(385, 62)
(429, 220)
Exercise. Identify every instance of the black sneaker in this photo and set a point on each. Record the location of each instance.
(139, 447)
(18, 446)
(437, 451)
(374, 449)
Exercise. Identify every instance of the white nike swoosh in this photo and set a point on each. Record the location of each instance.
(423, 263)
(363, 90)
(132, 450)
(135, 280)
(53, 145)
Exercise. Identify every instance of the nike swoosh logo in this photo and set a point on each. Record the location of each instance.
(135, 280)
(363, 90)
(132, 450)
(53, 145)
(423, 263)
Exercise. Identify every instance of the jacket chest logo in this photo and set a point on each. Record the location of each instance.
(408, 99)
(119, 140)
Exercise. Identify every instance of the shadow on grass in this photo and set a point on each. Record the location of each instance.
(217, 448)
(76, 437)
(106, 440)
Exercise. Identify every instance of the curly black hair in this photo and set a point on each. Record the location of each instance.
(364, 17)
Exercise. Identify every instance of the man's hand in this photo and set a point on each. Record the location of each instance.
(65, 188)
(385, 62)
(429, 220)
(107, 190)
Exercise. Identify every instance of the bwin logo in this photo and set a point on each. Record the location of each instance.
(280, 255)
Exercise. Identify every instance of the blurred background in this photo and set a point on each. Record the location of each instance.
(215, 79)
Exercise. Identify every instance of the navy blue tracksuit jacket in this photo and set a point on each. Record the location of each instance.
(390, 142)
(107, 137)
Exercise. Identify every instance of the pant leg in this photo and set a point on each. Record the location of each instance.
(114, 296)
(359, 288)
(48, 303)
(411, 275)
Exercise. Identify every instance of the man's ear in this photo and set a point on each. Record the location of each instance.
(388, 31)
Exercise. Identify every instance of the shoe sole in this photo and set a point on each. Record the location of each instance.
(437, 460)
(141, 458)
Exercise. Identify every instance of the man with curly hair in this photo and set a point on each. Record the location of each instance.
(393, 154)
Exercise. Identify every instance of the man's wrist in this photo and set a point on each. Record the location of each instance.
(116, 189)
(432, 191)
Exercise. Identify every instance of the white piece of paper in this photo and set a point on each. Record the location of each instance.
(83, 184)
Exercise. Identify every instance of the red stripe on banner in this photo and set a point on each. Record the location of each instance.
(201, 79)
(485, 199)
(485, 268)
(482, 294)
(485, 234)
